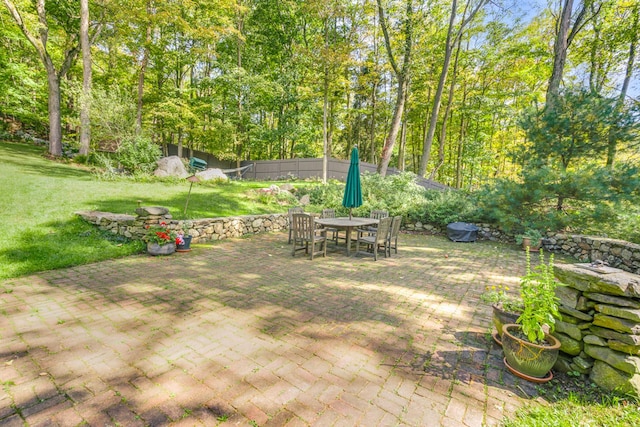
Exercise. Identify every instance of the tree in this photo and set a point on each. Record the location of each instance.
(85, 107)
(54, 75)
(452, 39)
(402, 74)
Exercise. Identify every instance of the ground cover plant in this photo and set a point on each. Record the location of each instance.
(40, 196)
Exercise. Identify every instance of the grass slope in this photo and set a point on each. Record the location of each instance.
(40, 196)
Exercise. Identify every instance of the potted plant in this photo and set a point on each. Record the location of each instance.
(160, 239)
(529, 349)
(506, 308)
(531, 238)
(183, 242)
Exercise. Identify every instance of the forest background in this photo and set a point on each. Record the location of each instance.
(456, 91)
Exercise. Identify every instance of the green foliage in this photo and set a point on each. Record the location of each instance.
(529, 233)
(540, 304)
(160, 234)
(499, 296)
(578, 409)
(138, 155)
(444, 207)
(40, 198)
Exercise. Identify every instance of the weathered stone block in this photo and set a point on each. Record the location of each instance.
(609, 299)
(620, 361)
(568, 296)
(595, 340)
(568, 345)
(569, 329)
(633, 350)
(612, 335)
(575, 313)
(612, 379)
(617, 324)
(622, 312)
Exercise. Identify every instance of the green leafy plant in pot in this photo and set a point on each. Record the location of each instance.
(531, 239)
(506, 308)
(529, 349)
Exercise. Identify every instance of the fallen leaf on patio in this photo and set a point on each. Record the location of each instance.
(43, 374)
(8, 363)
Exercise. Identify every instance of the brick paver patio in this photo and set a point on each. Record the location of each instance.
(241, 333)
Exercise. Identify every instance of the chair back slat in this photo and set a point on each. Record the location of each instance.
(328, 213)
(303, 226)
(382, 234)
(378, 214)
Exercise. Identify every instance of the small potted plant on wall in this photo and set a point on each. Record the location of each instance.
(160, 239)
(531, 238)
(529, 349)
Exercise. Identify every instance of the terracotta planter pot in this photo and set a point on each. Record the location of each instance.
(166, 249)
(533, 246)
(532, 360)
(502, 317)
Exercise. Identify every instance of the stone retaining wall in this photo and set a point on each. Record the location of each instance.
(202, 230)
(600, 326)
(615, 253)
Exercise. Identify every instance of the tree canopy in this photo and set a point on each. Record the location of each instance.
(445, 89)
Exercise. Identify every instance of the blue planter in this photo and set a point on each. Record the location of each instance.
(186, 247)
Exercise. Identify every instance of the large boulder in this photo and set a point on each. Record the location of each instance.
(171, 166)
(212, 173)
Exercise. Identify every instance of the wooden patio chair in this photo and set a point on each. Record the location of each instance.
(375, 214)
(305, 235)
(297, 209)
(374, 239)
(392, 241)
(335, 233)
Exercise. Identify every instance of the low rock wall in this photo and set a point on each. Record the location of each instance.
(600, 326)
(616, 253)
(202, 230)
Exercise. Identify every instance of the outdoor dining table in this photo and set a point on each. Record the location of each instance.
(347, 224)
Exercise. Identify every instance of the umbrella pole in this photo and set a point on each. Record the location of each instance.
(350, 209)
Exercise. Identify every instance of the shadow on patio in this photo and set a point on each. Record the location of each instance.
(239, 332)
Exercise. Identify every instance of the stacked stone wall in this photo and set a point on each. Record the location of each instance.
(600, 326)
(202, 230)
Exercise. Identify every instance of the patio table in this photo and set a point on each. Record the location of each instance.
(347, 224)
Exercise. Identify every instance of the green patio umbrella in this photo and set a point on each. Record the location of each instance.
(352, 192)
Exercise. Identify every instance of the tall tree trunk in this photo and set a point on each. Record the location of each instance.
(53, 76)
(85, 104)
(560, 47)
(143, 69)
(402, 76)
(447, 113)
(451, 38)
(566, 32)
(55, 122)
(325, 106)
(372, 127)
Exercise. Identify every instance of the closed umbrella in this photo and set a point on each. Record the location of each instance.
(352, 192)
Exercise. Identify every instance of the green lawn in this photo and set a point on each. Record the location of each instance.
(40, 196)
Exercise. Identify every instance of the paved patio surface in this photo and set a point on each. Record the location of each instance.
(241, 333)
